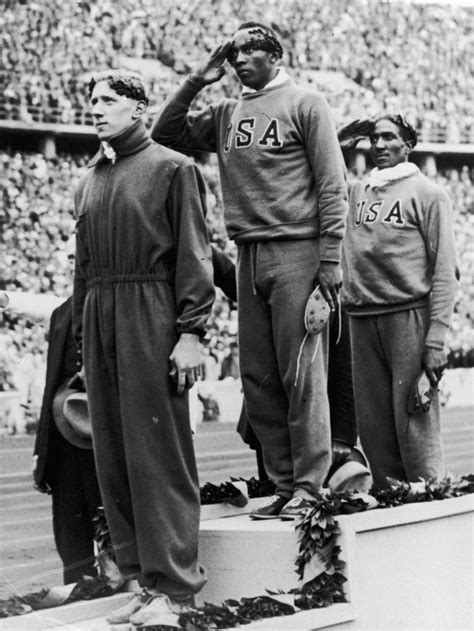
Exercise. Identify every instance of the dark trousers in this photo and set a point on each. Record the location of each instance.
(142, 436)
(284, 372)
(340, 392)
(387, 361)
(76, 497)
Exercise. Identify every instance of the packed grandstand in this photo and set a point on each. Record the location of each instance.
(365, 56)
(369, 55)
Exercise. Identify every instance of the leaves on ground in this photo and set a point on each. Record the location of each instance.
(19, 605)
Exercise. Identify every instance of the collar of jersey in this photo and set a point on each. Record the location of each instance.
(280, 77)
(378, 178)
(131, 141)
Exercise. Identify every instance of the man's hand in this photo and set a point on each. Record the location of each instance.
(434, 363)
(213, 69)
(351, 134)
(44, 486)
(186, 361)
(329, 278)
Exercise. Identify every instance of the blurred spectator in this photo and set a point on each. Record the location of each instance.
(210, 367)
(230, 363)
(210, 407)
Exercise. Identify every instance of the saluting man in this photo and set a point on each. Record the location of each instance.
(399, 289)
(285, 201)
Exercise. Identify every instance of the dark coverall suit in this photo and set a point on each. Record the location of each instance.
(143, 277)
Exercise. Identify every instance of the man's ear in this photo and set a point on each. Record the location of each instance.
(409, 146)
(140, 109)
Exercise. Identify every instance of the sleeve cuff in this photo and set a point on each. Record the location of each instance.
(331, 248)
(195, 81)
(200, 332)
(436, 334)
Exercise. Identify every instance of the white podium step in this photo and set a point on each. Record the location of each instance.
(246, 557)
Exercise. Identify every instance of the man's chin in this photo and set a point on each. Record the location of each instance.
(383, 164)
(246, 80)
(103, 135)
(103, 132)
(246, 84)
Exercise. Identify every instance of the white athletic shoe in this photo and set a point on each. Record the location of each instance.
(160, 610)
(134, 604)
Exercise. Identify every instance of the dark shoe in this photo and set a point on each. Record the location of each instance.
(294, 508)
(269, 509)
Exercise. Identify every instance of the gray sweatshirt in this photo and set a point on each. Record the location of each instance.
(281, 169)
(399, 251)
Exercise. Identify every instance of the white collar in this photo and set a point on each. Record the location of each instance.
(280, 77)
(109, 151)
(378, 178)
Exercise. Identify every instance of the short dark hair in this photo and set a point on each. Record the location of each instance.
(269, 37)
(407, 131)
(123, 82)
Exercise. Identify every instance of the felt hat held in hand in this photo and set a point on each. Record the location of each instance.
(71, 415)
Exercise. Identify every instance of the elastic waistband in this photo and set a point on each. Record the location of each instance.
(379, 310)
(128, 278)
(291, 231)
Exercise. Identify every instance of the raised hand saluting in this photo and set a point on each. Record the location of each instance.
(213, 69)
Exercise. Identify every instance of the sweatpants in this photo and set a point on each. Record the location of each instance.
(142, 436)
(284, 373)
(387, 352)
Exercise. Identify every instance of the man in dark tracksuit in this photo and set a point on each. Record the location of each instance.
(143, 291)
(63, 469)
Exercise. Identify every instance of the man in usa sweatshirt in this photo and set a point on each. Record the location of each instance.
(399, 288)
(285, 202)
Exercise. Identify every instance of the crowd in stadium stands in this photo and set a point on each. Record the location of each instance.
(36, 219)
(365, 56)
(411, 57)
(460, 188)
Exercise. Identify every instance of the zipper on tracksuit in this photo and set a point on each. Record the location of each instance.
(104, 223)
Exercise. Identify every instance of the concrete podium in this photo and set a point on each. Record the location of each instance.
(409, 567)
